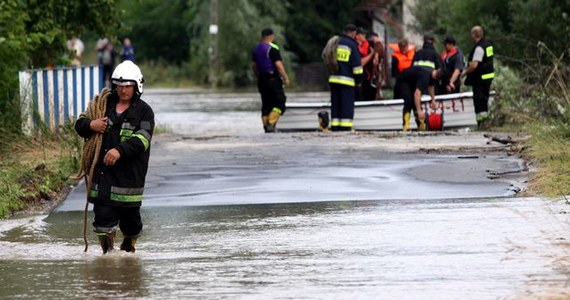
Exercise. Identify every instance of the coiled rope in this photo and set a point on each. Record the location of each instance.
(91, 150)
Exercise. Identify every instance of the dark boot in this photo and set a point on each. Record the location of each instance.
(107, 241)
(324, 120)
(128, 243)
(265, 122)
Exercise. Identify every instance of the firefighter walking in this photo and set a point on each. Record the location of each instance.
(267, 65)
(117, 183)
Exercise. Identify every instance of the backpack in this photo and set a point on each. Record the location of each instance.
(329, 54)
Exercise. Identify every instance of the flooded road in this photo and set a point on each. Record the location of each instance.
(231, 212)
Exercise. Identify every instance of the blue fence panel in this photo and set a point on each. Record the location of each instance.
(57, 96)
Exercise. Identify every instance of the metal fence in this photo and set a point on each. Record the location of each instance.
(53, 97)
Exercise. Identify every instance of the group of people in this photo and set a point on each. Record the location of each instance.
(106, 56)
(373, 62)
(426, 72)
(358, 74)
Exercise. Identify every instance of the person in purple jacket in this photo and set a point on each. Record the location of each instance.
(268, 67)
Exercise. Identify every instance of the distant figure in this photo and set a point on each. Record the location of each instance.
(100, 46)
(344, 79)
(76, 48)
(453, 64)
(106, 55)
(267, 65)
(379, 74)
(402, 59)
(480, 74)
(366, 57)
(127, 51)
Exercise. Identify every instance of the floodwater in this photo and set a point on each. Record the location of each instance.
(231, 212)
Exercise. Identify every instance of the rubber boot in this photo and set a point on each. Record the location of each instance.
(265, 121)
(406, 124)
(324, 120)
(106, 240)
(129, 243)
(483, 123)
(421, 124)
(272, 121)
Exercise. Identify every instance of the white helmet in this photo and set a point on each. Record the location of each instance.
(127, 73)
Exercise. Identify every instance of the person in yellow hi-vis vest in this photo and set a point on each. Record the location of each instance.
(480, 74)
(343, 81)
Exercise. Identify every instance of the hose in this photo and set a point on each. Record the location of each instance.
(91, 150)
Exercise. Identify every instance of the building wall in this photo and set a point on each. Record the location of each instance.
(409, 21)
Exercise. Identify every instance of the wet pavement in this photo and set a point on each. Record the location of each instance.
(231, 212)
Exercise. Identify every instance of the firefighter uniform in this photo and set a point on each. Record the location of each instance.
(117, 189)
(481, 78)
(343, 82)
(269, 81)
(419, 76)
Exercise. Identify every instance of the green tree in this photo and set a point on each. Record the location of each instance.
(448, 17)
(515, 26)
(158, 29)
(311, 23)
(33, 33)
(197, 17)
(52, 22)
(14, 47)
(531, 40)
(240, 23)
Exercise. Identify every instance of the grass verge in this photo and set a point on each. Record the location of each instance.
(35, 171)
(548, 150)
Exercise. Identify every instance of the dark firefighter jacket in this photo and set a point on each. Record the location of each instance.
(427, 58)
(485, 69)
(350, 71)
(130, 133)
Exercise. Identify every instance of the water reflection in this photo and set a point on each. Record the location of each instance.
(416, 249)
(115, 275)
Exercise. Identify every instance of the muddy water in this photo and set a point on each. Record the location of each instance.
(452, 249)
(231, 212)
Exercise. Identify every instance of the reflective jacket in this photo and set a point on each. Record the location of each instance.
(427, 58)
(350, 70)
(485, 69)
(130, 133)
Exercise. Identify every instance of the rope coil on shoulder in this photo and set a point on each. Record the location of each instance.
(91, 151)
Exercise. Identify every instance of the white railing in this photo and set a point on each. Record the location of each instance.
(56, 96)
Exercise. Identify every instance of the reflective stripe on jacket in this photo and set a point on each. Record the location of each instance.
(427, 58)
(485, 69)
(350, 71)
(122, 184)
